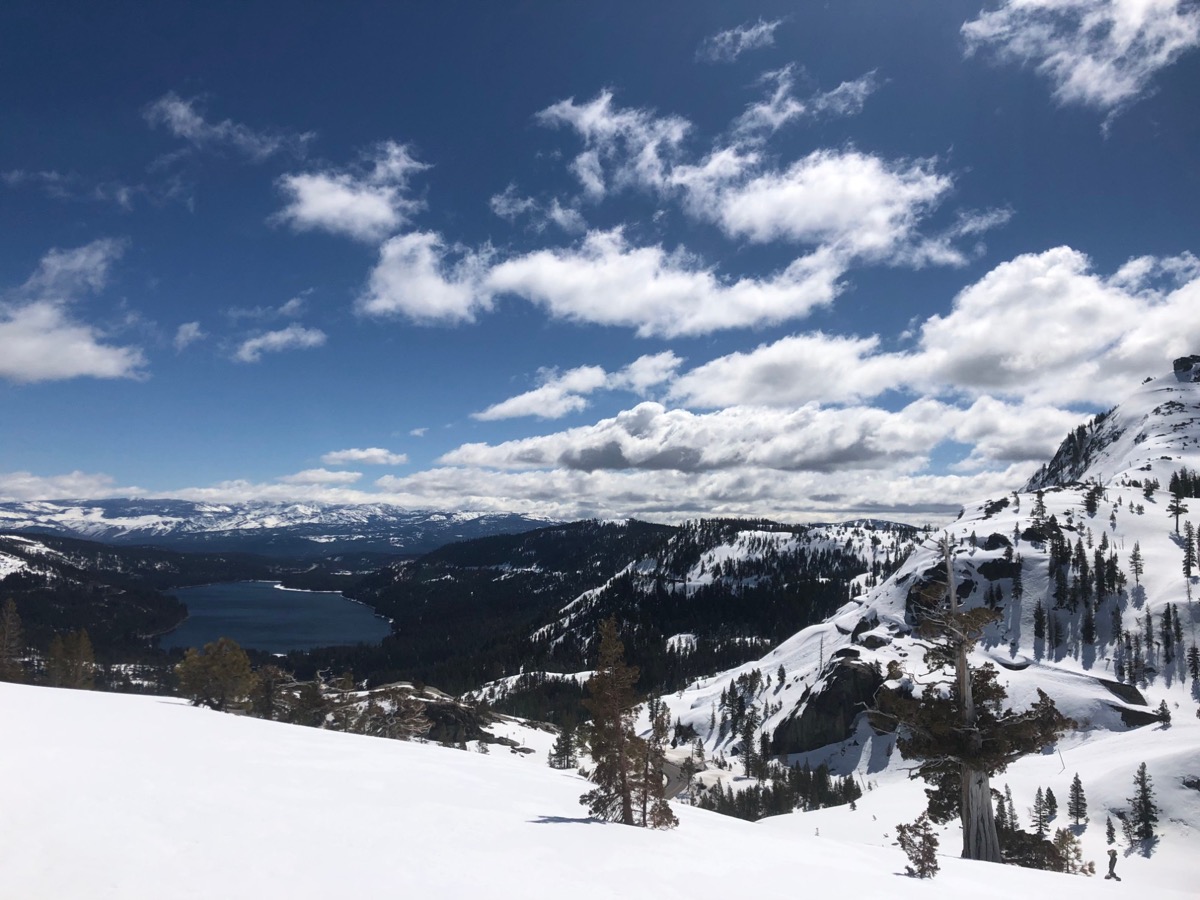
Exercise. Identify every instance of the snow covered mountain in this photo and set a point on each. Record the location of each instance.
(278, 529)
(1087, 572)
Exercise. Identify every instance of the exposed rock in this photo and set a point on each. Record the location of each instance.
(454, 723)
(875, 641)
(994, 506)
(829, 713)
(995, 541)
(1136, 718)
(995, 569)
(1126, 692)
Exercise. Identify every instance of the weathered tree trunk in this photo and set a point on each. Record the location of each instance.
(980, 840)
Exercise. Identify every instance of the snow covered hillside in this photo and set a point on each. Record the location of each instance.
(1100, 649)
(139, 798)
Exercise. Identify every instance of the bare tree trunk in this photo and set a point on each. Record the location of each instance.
(980, 840)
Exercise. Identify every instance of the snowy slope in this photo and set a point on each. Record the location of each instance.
(139, 798)
(1152, 434)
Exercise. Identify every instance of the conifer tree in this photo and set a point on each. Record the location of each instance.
(12, 643)
(1143, 810)
(1039, 621)
(1039, 815)
(1189, 549)
(562, 754)
(615, 747)
(1193, 662)
(1110, 833)
(1076, 801)
(1051, 805)
(70, 662)
(219, 678)
(1136, 564)
(964, 736)
(1013, 822)
(920, 843)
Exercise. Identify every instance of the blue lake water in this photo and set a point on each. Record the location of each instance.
(261, 615)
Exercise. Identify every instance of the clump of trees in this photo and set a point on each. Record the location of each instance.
(628, 774)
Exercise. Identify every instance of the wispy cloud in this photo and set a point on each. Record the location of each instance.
(294, 337)
(181, 118)
(187, 334)
(368, 202)
(561, 393)
(321, 476)
(371, 456)
(727, 46)
(1102, 54)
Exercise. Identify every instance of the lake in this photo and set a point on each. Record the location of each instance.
(261, 615)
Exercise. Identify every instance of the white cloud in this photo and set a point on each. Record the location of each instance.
(287, 310)
(321, 476)
(367, 204)
(650, 436)
(566, 392)
(792, 371)
(371, 456)
(418, 432)
(413, 279)
(726, 46)
(180, 118)
(20, 486)
(781, 105)
(511, 206)
(860, 204)
(294, 337)
(637, 145)
(40, 340)
(1046, 328)
(606, 281)
(187, 334)
(1097, 53)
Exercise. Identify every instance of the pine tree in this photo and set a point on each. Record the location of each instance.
(1176, 508)
(70, 662)
(562, 754)
(1039, 621)
(615, 747)
(1076, 801)
(1110, 833)
(1193, 662)
(1013, 822)
(1189, 549)
(1039, 815)
(1163, 712)
(920, 843)
(1087, 628)
(1136, 564)
(12, 643)
(656, 812)
(1051, 805)
(219, 678)
(1143, 809)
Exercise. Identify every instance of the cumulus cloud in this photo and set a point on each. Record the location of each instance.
(566, 392)
(187, 334)
(40, 337)
(414, 279)
(181, 118)
(650, 436)
(861, 204)
(371, 456)
(20, 486)
(606, 281)
(1097, 53)
(321, 476)
(294, 337)
(727, 46)
(367, 203)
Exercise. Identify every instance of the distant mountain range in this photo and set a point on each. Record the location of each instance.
(301, 530)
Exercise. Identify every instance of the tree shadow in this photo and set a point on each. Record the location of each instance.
(564, 820)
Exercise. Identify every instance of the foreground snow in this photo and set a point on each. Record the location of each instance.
(111, 796)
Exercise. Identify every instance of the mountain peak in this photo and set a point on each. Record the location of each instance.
(1149, 435)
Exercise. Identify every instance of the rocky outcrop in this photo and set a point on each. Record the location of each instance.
(826, 715)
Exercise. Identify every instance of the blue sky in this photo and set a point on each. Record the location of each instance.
(790, 259)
